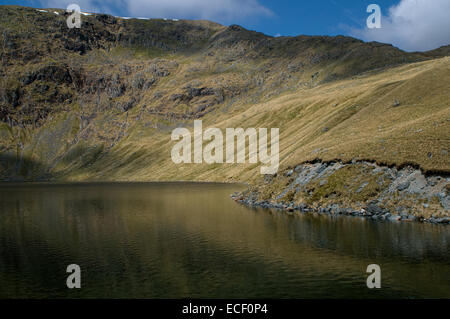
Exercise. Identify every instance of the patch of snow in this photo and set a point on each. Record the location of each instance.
(57, 13)
(42, 10)
(86, 14)
(141, 18)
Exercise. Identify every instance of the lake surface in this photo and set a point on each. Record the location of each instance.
(182, 240)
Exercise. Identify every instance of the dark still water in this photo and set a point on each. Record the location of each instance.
(172, 240)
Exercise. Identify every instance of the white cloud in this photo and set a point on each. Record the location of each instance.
(85, 5)
(216, 10)
(201, 9)
(413, 25)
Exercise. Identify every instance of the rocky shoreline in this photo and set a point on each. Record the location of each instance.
(394, 194)
(373, 212)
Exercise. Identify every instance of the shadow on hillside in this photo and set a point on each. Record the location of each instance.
(14, 169)
(79, 159)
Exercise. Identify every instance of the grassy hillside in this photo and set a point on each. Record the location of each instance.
(348, 119)
(100, 103)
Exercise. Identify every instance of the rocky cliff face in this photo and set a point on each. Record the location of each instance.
(47, 67)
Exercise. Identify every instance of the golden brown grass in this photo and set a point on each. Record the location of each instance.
(359, 114)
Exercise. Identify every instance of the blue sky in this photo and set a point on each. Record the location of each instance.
(323, 17)
(408, 24)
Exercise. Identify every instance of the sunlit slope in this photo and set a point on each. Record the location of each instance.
(100, 102)
(397, 116)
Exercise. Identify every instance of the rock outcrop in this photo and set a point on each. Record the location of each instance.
(357, 189)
